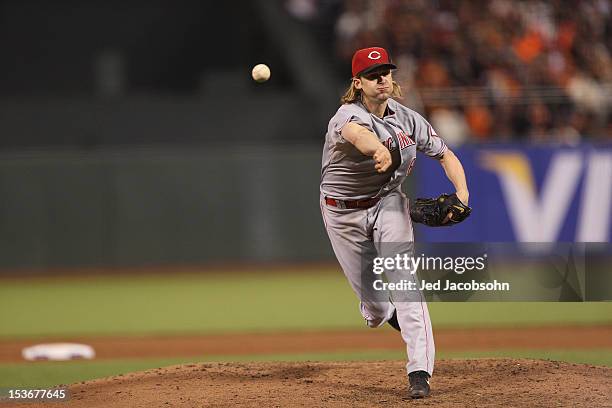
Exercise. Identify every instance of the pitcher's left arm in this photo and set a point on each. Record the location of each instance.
(454, 171)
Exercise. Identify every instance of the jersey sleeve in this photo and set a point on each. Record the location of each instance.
(428, 141)
(346, 114)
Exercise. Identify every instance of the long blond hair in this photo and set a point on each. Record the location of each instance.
(353, 94)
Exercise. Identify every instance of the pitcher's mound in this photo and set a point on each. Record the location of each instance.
(481, 383)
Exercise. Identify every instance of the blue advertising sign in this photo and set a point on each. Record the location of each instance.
(527, 194)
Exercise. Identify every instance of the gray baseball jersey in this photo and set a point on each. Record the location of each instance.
(348, 174)
(359, 235)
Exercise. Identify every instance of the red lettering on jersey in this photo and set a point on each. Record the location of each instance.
(388, 143)
(404, 140)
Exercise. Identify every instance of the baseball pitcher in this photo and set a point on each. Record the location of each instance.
(370, 148)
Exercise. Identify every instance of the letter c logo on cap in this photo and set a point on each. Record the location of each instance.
(374, 55)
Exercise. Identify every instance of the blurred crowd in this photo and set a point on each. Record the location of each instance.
(488, 69)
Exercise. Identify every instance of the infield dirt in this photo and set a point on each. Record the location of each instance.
(457, 383)
(202, 346)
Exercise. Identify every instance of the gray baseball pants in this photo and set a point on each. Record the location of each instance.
(357, 237)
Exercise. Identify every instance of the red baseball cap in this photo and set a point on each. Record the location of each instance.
(368, 59)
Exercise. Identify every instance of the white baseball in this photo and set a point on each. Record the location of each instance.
(260, 73)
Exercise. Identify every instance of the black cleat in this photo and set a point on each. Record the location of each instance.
(393, 322)
(419, 384)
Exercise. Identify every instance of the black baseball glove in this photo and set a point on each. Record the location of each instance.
(436, 212)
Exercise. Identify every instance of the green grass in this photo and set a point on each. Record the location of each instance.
(230, 301)
(519, 313)
(44, 374)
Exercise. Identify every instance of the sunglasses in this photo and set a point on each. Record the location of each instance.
(376, 74)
